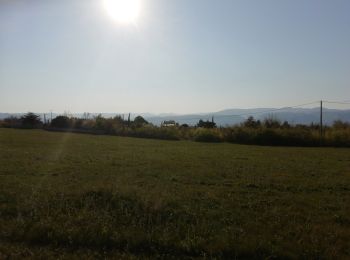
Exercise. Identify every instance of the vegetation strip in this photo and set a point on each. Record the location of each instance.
(269, 132)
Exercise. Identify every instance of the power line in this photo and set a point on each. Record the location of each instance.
(278, 109)
(336, 102)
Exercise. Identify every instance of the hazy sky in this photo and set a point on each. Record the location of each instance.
(181, 55)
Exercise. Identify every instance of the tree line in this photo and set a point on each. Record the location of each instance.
(269, 131)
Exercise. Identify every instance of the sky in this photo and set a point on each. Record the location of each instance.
(180, 56)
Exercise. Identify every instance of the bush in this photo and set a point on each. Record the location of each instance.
(12, 122)
(266, 136)
(139, 121)
(338, 124)
(270, 132)
(338, 137)
(271, 136)
(62, 122)
(164, 133)
(241, 135)
(207, 135)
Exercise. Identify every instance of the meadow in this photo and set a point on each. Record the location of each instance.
(67, 195)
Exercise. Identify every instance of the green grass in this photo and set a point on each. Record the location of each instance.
(65, 195)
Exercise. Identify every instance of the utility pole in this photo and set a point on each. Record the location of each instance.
(51, 115)
(129, 120)
(321, 121)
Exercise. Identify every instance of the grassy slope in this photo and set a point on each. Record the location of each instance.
(74, 195)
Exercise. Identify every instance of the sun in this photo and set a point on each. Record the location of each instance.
(123, 11)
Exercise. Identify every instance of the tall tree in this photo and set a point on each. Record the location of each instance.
(31, 120)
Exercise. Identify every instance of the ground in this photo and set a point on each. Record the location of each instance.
(68, 195)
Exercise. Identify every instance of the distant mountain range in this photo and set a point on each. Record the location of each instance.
(236, 116)
(233, 116)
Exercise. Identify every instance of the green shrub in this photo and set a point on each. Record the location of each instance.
(270, 136)
(62, 122)
(207, 135)
(338, 137)
(269, 132)
(241, 135)
(165, 133)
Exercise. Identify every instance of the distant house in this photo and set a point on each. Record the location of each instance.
(168, 123)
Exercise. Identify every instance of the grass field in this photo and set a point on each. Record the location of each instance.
(83, 196)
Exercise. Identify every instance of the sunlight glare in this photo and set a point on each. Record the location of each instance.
(123, 11)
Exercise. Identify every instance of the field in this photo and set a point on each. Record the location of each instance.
(66, 195)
